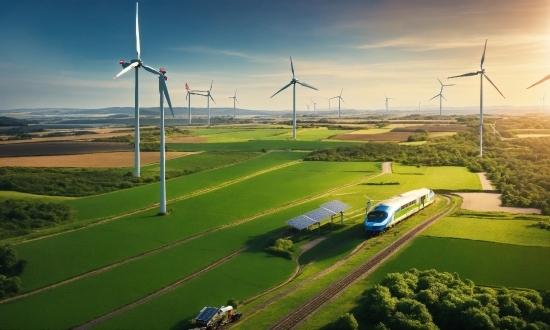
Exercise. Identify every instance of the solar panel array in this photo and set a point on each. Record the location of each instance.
(326, 210)
(336, 206)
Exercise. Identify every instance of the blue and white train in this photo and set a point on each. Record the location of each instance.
(390, 211)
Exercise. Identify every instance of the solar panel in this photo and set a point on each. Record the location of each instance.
(319, 214)
(335, 206)
(300, 222)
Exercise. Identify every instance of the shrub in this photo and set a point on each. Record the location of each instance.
(346, 322)
(281, 247)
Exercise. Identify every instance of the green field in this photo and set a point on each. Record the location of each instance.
(108, 205)
(80, 251)
(19, 195)
(518, 232)
(258, 145)
(485, 263)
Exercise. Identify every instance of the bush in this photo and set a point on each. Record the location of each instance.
(282, 247)
(233, 303)
(346, 322)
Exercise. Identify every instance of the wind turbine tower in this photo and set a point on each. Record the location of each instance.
(339, 97)
(482, 74)
(314, 106)
(234, 97)
(441, 94)
(208, 97)
(293, 82)
(387, 98)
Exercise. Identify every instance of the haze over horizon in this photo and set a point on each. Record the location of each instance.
(65, 53)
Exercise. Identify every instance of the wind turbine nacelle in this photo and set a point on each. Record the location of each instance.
(124, 64)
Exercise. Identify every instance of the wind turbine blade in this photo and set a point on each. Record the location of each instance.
(290, 83)
(465, 75)
(186, 95)
(341, 93)
(211, 86)
(292, 67)
(444, 97)
(492, 84)
(150, 69)
(237, 101)
(433, 97)
(440, 82)
(126, 69)
(138, 48)
(342, 99)
(483, 57)
(333, 97)
(450, 85)
(538, 82)
(212, 98)
(306, 85)
(165, 91)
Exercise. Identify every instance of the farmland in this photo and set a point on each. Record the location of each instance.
(235, 199)
(60, 148)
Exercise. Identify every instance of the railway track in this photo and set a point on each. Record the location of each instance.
(300, 314)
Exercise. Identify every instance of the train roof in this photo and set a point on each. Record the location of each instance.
(397, 201)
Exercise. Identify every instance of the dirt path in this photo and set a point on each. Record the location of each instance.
(485, 183)
(490, 202)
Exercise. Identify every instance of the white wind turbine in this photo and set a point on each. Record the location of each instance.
(208, 97)
(328, 103)
(482, 74)
(314, 104)
(441, 94)
(339, 97)
(387, 98)
(234, 97)
(293, 82)
(419, 105)
(163, 92)
(188, 98)
(307, 105)
(135, 64)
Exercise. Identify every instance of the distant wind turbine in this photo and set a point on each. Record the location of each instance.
(208, 97)
(387, 98)
(538, 82)
(293, 82)
(482, 74)
(135, 64)
(163, 91)
(188, 98)
(328, 103)
(314, 106)
(339, 97)
(543, 102)
(234, 97)
(441, 94)
(307, 105)
(419, 105)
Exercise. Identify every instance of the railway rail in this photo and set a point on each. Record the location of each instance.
(300, 314)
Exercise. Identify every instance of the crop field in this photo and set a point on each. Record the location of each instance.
(103, 244)
(507, 230)
(239, 135)
(60, 148)
(103, 159)
(172, 264)
(498, 264)
(108, 205)
(442, 177)
(258, 145)
(18, 195)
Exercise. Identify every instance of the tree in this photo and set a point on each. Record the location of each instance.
(346, 322)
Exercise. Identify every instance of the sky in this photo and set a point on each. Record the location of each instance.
(64, 53)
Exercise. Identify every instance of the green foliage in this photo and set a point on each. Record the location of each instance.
(233, 303)
(10, 264)
(281, 247)
(421, 136)
(431, 300)
(9, 286)
(346, 322)
(20, 217)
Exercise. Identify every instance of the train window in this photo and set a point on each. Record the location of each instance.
(376, 216)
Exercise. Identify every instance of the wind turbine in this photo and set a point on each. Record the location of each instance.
(307, 105)
(419, 105)
(293, 82)
(387, 98)
(482, 74)
(163, 92)
(208, 97)
(339, 97)
(538, 82)
(440, 94)
(328, 103)
(314, 104)
(234, 97)
(135, 64)
(188, 98)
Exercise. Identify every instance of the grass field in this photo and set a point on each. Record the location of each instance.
(518, 232)
(76, 252)
(485, 263)
(18, 195)
(107, 205)
(257, 145)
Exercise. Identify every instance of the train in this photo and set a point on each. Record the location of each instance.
(389, 212)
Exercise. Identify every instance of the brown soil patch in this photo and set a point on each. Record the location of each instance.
(432, 128)
(388, 136)
(490, 202)
(106, 159)
(61, 148)
(187, 139)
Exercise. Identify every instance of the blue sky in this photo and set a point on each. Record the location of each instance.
(64, 53)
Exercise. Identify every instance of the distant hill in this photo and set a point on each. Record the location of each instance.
(8, 121)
